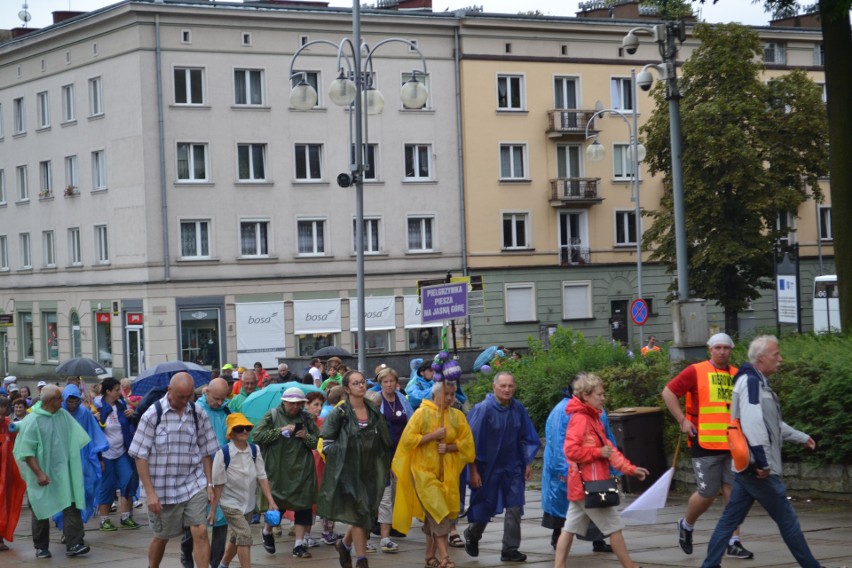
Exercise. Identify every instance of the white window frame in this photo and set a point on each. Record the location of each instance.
(99, 180)
(412, 157)
(43, 109)
(511, 152)
(790, 237)
(512, 82)
(372, 235)
(19, 115)
(22, 183)
(313, 78)
(370, 158)
(621, 224)
(191, 148)
(257, 222)
(252, 176)
(775, 52)
(317, 224)
(564, 80)
(75, 248)
(101, 244)
(49, 248)
(69, 110)
(247, 92)
(621, 93)
(587, 313)
(96, 97)
(622, 164)
(431, 234)
(826, 232)
(26, 251)
(184, 74)
(1, 122)
(201, 226)
(72, 174)
(2, 186)
(423, 80)
(514, 218)
(512, 290)
(303, 158)
(45, 175)
(4, 253)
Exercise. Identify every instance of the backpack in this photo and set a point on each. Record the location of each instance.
(226, 454)
(147, 400)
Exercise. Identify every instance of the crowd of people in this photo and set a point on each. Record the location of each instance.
(345, 448)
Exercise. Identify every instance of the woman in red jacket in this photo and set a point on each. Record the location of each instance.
(589, 455)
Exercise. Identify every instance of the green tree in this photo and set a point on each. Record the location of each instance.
(750, 151)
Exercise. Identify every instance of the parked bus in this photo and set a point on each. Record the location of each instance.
(826, 304)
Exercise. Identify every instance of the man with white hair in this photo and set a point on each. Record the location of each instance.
(708, 387)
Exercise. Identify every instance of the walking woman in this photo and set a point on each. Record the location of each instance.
(356, 446)
(435, 446)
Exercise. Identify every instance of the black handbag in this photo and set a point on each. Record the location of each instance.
(600, 493)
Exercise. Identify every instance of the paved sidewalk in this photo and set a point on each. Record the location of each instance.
(827, 526)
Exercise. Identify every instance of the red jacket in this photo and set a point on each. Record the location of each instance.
(583, 447)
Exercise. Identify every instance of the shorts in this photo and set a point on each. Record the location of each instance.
(711, 472)
(386, 504)
(239, 526)
(173, 518)
(607, 519)
(119, 473)
(436, 529)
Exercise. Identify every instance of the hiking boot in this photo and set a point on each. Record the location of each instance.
(684, 538)
(471, 543)
(737, 550)
(78, 550)
(268, 542)
(301, 551)
(344, 555)
(129, 523)
(107, 526)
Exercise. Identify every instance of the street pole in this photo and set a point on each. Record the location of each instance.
(359, 187)
(635, 148)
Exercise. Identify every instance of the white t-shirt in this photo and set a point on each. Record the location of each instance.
(240, 479)
(112, 431)
(317, 375)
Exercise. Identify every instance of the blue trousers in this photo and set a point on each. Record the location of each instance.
(772, 495)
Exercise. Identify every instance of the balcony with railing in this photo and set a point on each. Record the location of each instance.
(574, 255)
(569, 123)
(574, 191)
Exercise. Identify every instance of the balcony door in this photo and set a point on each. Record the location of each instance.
(568, 167)
(565, 92)
(573, 239)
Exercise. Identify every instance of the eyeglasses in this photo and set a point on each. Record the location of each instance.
(241, 429)
(357, 383)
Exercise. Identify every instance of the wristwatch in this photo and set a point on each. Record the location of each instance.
(210, 486)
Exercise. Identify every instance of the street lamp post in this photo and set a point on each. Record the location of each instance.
(595, 152)
(354, 88)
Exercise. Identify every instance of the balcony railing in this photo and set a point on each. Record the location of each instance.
(574, 255)
(562, 122)
(574, 189)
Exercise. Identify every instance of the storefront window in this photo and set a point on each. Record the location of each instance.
(199, 336)
(309, 344)
(50, 336)
(76, 343)
(428, 338)
(377, 341)
(26, 340)
(103, 338)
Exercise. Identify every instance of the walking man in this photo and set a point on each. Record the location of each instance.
(249, 385)
(759, 411)
(173, 446)
(506, 442)
(707, 387)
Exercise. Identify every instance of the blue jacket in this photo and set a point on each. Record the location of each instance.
(127, 429)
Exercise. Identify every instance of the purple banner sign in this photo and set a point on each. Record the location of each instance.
(443, 302)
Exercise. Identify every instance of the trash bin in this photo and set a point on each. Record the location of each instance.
(639, 436)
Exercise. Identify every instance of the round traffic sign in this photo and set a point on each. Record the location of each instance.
(639, 311)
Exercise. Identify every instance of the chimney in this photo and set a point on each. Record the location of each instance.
(62, 15)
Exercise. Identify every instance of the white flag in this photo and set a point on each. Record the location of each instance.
(643, 511)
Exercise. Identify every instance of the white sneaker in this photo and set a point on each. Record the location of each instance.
(311, 542)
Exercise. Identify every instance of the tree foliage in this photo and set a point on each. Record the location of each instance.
(750, 151)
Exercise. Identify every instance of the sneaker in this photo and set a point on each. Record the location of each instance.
(301, 551)
(43, 553)
(114, 507)
(513, 556)
(471, 543)
(684, 538)
(371, 549)
(107, 526)
(344, 555)
(255, 519)
(737, 550)
(389, 546)
(311, 542)
(330, 538)
(600, 546)
(137, 504)
(78, 550)
(268, 542)
(129, 523)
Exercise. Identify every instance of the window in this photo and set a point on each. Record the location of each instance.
(96, 97)
(565, 93)
(76, 336)
(420, 234)
(246, 39)
(195, 239)
(311, 78)
(186, 36)
(71, 175)
(309, 162)
(576, 300)
(26, 335)
(520, 303)
(69, 113)
(23, 184)
(568, 161)
(510, 92)
(248, 87)
(251, 162)
(2, 187)
(103, 338)
(621, 90)
(26, 251)
(45, 179)
(622, 162)
(98, 170)
(423, 80)
(515, 230)
(49, 248)
(825, 232)
(625, 228)
(369, 156)
(512, 160)
(785, 223)
(1, 121)
(254, 239)
(819, 54)
(75, 251)
(50, 339)
(19, 111)
(418, 161)
(101, 244)
(189, 88)
(4, 253)
(774, 52)
(311, 236)
(191, 161)
(377, 341)
(43, 108)
(371, 235)
(573, 238)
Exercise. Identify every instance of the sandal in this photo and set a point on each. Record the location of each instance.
(447, 563)
(456, 541)
(432, 562)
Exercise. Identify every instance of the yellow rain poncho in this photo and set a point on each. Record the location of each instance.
(418, 468)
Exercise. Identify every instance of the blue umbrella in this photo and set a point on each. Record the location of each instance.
(159, 376)
(260, 402)
(484, 357)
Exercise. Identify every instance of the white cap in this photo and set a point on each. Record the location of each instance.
(720, 339)
(41, 384)
(10, 379)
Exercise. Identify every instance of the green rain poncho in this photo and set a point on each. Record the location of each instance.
(289, 461)
(357, 464)
(55, 440)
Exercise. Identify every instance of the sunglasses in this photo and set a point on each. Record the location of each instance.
(241, 429)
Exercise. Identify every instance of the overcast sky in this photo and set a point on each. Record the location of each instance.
(724, 11)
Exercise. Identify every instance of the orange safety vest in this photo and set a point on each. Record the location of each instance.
(715, 390)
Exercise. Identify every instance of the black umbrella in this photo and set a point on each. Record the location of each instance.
(331, 351)
(80, 367)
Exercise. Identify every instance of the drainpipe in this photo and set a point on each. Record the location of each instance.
(462, 223)
(162, 141)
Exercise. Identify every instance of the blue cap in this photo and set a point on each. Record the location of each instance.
(273, 518)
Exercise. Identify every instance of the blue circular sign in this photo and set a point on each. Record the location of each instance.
(639, 311)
